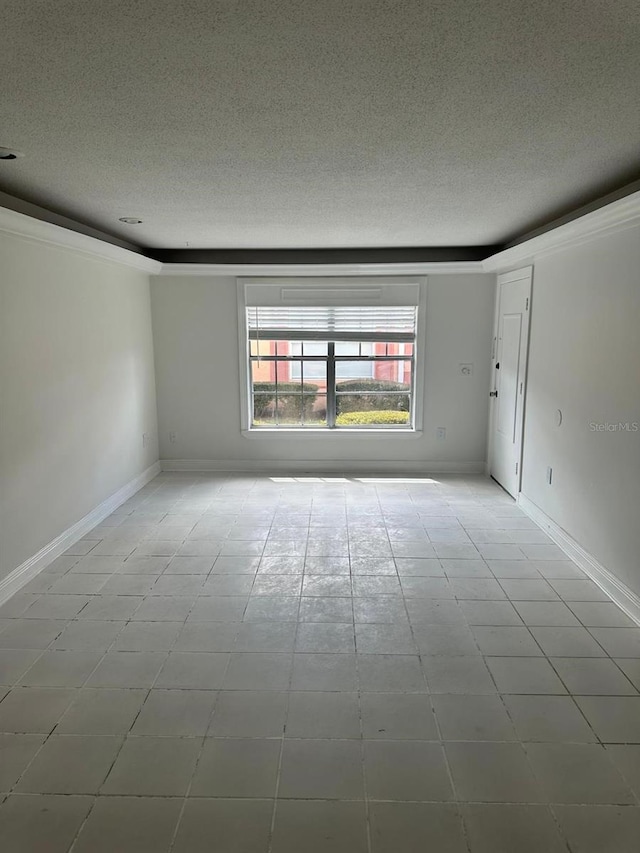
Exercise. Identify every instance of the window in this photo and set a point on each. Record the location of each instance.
(344, 369)
(340, 358)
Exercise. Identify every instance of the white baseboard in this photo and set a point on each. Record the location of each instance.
(16, 579)
(625, 598)
(306, 466)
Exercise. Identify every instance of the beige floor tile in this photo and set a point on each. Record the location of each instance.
(321, 769)
(578, 773)
(16, 752)
(497, 828)
(406, 770)
(237, 767)
(421, 826)
(323, 715)
(193, 670)
(34, 709)
(41, 824)
(470, 717)
(600, 829)
(129, 825)
(61, 669)
(548, 718)
(127, 669)
(70, 764)
(153, 766)
(240, 825)
(175, 713)
(492, 772)
(102, 711)
(397, 716)
(246, 713)
(318, 826)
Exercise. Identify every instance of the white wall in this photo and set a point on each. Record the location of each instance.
(585, 360)
(77, 389)
(196, 346)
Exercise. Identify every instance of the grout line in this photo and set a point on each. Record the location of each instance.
(454, 790)
(200, 754)
(280, 756)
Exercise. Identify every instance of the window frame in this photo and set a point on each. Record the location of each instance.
(354, 284)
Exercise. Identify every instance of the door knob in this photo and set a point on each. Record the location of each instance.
(493, 393)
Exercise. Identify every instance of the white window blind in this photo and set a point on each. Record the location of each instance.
(335, 323)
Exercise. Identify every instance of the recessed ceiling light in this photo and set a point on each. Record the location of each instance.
(9, 154)
(130, 220)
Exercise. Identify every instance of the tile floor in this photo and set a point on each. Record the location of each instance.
(244, 665)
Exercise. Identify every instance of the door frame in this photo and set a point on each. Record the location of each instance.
(520, 274)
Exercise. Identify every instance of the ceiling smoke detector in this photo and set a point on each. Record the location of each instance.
(130, 220)
(9, 154)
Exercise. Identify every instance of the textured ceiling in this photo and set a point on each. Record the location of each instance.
(319, 123)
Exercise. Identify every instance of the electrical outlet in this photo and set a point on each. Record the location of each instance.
(441, 433)
(173, 437)
(549, 475)
(466, 369)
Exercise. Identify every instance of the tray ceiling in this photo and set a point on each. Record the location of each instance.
(304, 124)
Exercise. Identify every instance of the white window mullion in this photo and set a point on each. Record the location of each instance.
(331, 387)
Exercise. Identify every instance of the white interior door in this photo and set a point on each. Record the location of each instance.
(509, 378)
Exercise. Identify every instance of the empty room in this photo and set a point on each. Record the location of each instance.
(320, 426)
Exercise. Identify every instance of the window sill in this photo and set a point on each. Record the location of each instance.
(332, 433)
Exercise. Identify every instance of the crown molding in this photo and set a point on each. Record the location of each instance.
(283, 270)
(26, 227)
(616, 216)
